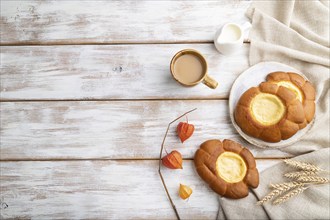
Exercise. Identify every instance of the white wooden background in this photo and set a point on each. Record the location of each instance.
(86, 96)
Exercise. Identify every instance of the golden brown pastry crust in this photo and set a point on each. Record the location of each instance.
(205, 163)
(304, 86)
(284, 129)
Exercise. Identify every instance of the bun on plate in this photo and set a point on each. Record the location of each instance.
(269, 112)
(303, 90)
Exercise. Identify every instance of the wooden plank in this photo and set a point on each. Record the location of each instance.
(66, 22)
(112, 130)
(102, 190)
(109, 72)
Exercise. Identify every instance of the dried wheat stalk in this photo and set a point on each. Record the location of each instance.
(270, 196)
(302, 165)
(313, 179)
(286, 186)
(306, 177)
(290, 194)
(276, 192)
(295, 175)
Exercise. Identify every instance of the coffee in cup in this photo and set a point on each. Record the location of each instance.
(189, 68)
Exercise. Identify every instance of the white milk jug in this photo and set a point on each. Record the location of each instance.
(229, 38)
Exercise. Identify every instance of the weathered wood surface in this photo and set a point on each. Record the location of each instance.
(111, 129)
(48, 116)
(103, 190)
(109, 72)
(86, 22)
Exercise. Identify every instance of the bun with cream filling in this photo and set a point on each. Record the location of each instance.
(269, 112)
(303, 90)
(227, 167)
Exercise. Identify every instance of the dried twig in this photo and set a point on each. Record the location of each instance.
(160, 159)
(290, 194)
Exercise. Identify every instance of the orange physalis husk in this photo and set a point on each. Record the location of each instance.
(185, 191)
(185, 130)
(173, 160)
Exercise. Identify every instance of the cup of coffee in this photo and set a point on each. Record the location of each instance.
(189, 67)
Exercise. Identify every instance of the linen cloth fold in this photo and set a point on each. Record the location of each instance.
(295, 33)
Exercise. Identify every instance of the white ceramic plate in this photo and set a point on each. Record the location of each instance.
(253, 77)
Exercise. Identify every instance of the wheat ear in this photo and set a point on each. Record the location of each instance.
(313, 179)
(290, 194)
(303, 166)
(270, 196)
(286, 186)
(295, 175)
(276, 192)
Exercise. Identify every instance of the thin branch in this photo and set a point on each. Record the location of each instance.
(160, 159)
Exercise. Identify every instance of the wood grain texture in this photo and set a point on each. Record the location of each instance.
(82, 135)
(103, 190)
(109, 72)
(70, 22)
(114, 129)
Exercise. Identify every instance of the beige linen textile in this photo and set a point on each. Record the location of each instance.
(295, 33)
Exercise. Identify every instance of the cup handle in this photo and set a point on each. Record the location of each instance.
(210, 82)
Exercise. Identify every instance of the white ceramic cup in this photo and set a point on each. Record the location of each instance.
(229, 38)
